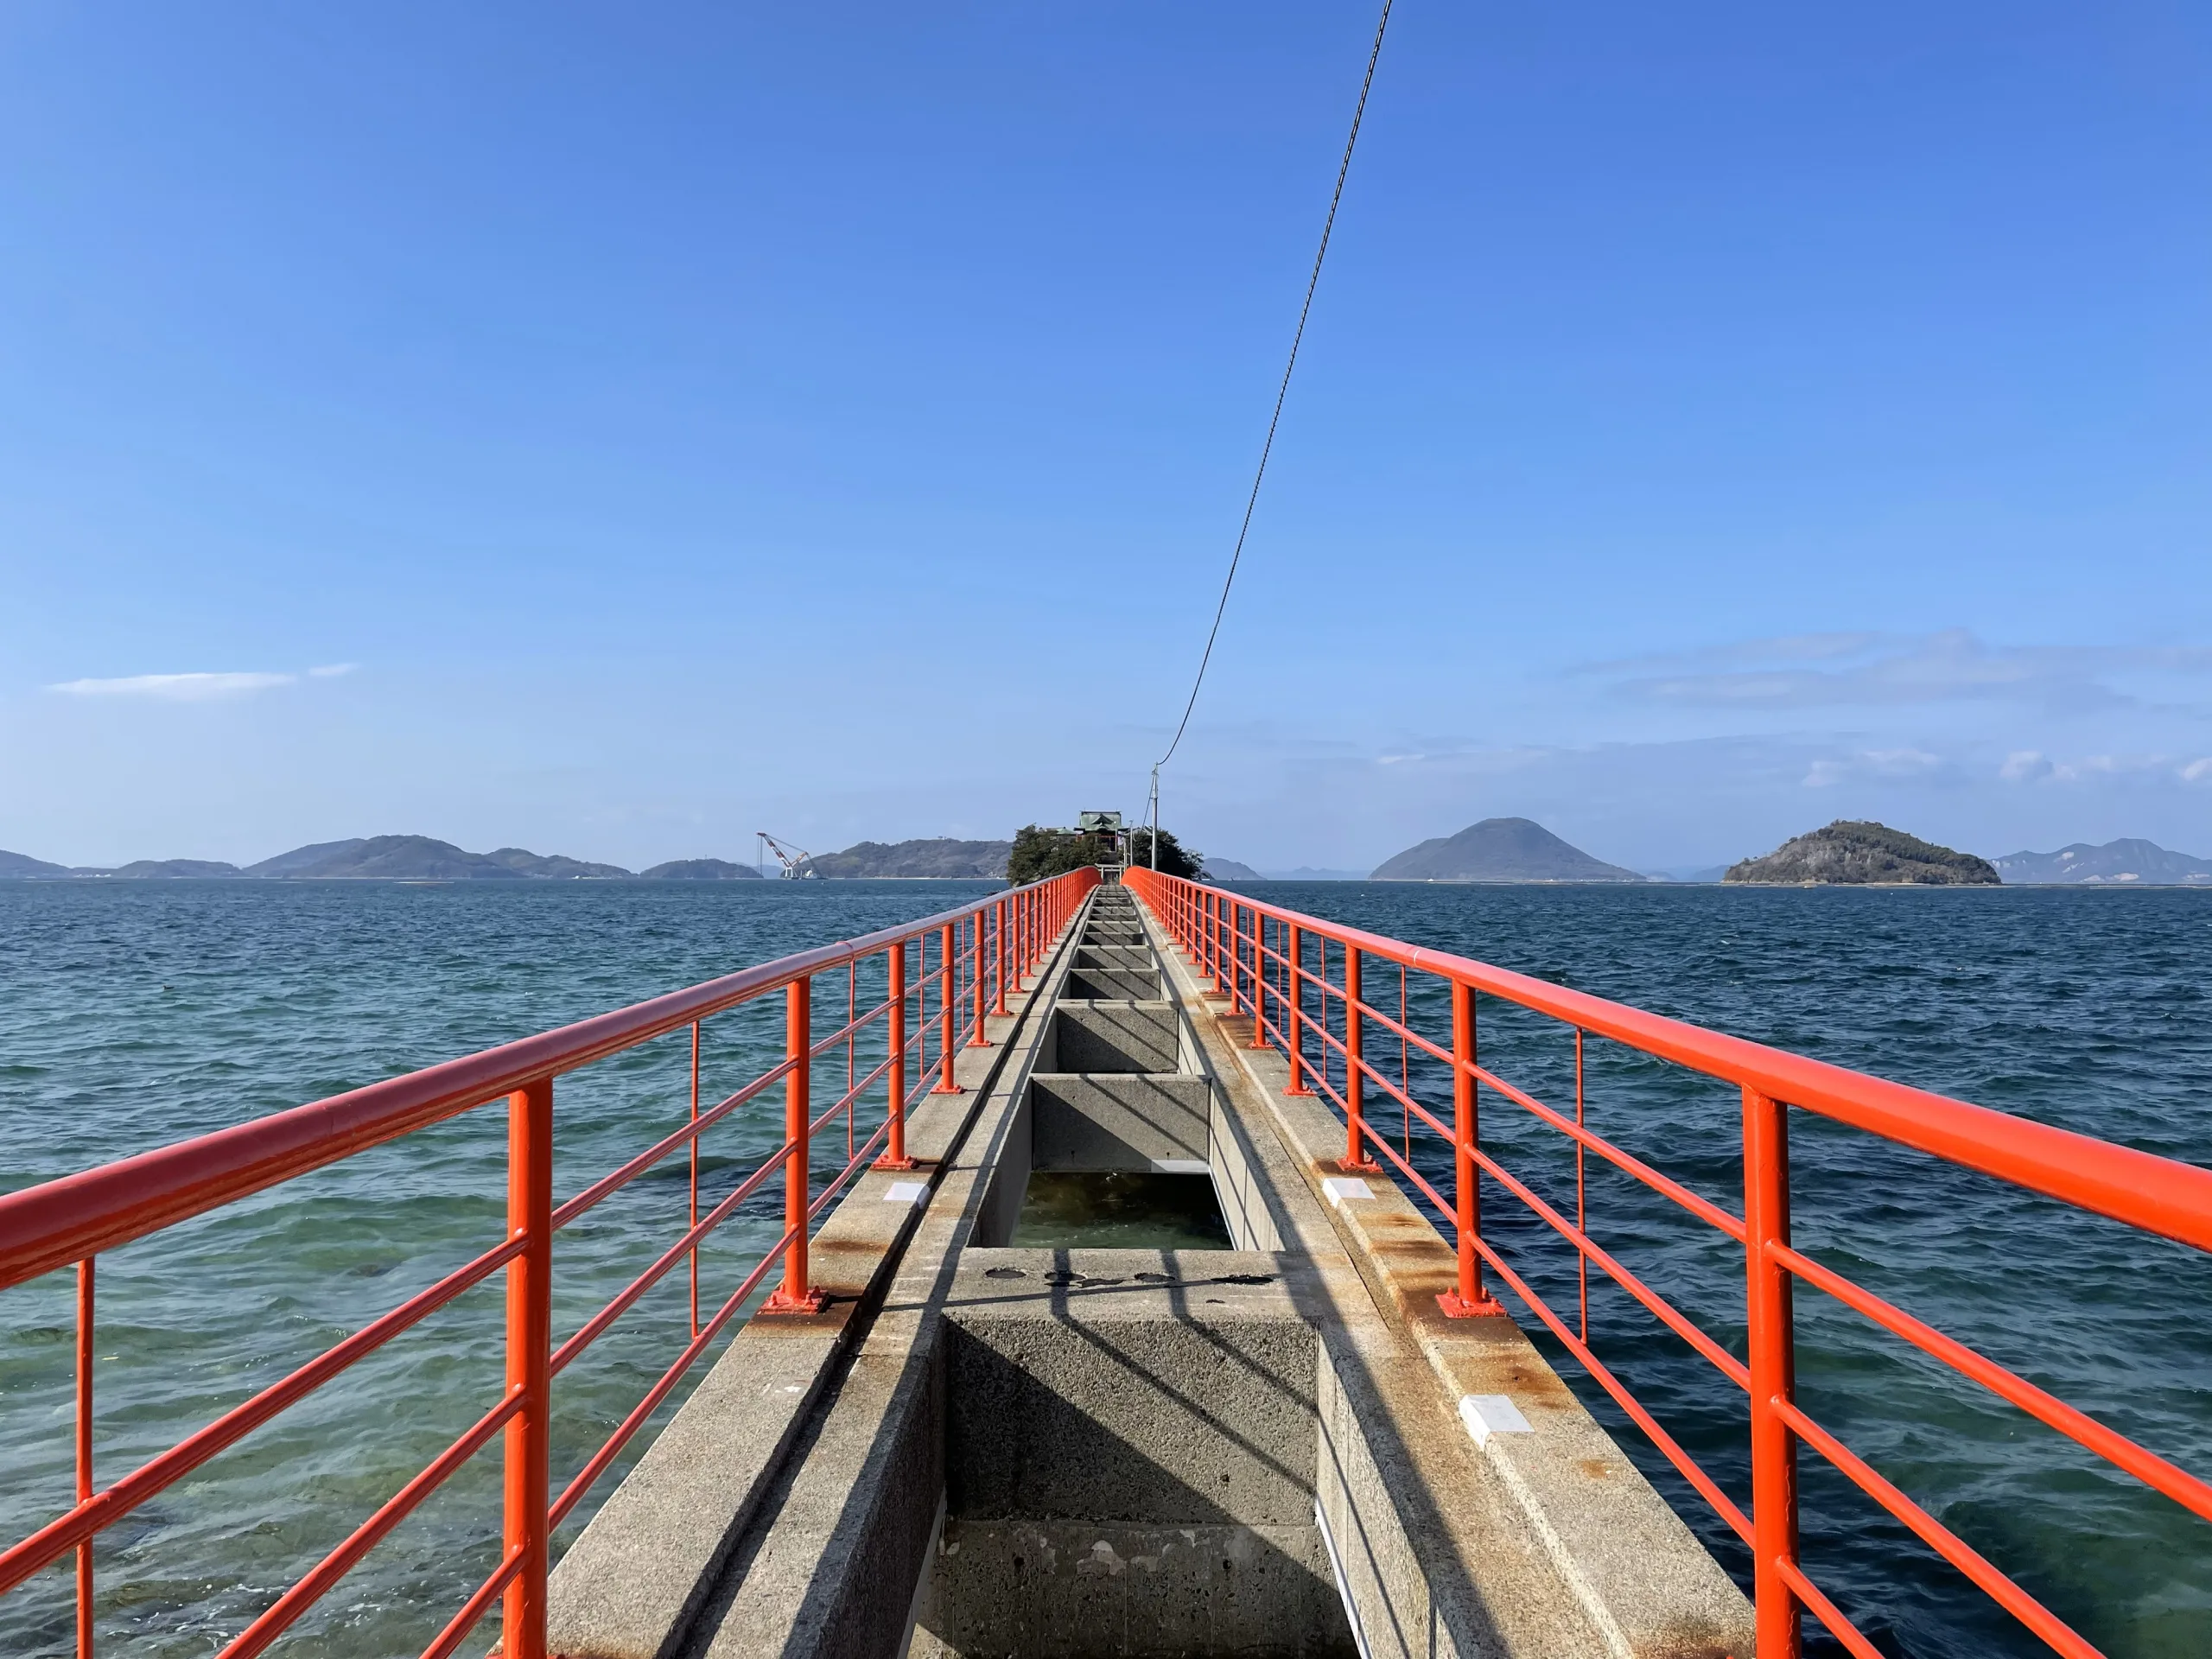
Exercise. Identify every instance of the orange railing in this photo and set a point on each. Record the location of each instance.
(1268, 961)
(980, 953)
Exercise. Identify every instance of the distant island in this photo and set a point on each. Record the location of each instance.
(379, 858)
(2127, 863)
(422, 858)
(1846, 852)
(1851, 854)
(1499, 849)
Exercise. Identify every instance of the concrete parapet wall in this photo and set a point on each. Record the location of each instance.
(851, 1511)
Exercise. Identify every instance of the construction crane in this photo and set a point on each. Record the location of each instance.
(798, 862)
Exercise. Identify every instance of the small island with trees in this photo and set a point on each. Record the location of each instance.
(1850, 854)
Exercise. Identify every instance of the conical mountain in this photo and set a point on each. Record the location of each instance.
(1500, 849)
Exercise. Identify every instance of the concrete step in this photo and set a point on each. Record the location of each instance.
(1117, 1119)
(1113, 933)
(1111, 984)
(1137, 959)
(1111, 1036)
(1185, 1397)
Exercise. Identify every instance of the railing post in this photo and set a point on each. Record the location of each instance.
(1356, 1155)
(1240, 993)
(946, 994)
(1211, 925)
(797, 1294)
(84, 1356)
(1259, 982)
(894, 1151)
(530, 1365)
(976, 990)
(1226, 946)
(1294, 986)
(693, 1208)
(1773, 1367)
(1469, 1298)
(998, 960)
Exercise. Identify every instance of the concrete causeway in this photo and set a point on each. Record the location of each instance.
(1279, 1448)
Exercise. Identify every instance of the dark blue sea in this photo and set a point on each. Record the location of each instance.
(135, 1014)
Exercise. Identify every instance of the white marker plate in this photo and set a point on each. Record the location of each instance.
(1486, 1415)
(1338, 1188)
(908, 1192)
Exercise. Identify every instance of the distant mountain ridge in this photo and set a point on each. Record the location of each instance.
(553, 865)
(934, 857)
(1499, 849)
(1853, 853)
(2127, 863)
(375, 858)
(21, 866)
(388, 858)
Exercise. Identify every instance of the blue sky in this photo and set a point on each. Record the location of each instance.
(613, 430)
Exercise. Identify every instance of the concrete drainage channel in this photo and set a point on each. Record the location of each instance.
(1129, 1433)
(984, 1447)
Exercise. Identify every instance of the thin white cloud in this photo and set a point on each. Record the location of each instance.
(2032, 766)
(1869, 669)
(1873, 763)
(195, 688)
(1781, 648)
(175, 688)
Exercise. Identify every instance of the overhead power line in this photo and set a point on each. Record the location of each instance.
(1312, 281)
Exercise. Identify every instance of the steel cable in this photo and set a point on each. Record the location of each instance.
(1312, 281)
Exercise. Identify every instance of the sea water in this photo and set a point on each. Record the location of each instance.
(133, 1015)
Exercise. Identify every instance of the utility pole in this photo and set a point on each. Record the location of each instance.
(1152, 842)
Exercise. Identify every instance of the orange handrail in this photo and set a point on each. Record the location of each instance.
(1257, 956)
(994, 943)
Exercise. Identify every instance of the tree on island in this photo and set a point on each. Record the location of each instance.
(1174, 859)
(1039, 853)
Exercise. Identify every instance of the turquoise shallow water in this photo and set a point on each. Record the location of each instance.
(135, 1015)
(131, 1015)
